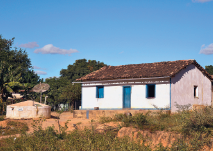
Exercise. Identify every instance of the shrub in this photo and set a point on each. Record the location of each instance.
(160, 147)
(139, 119)
(199, 120)
(14, 128)
(119, 117)
(105, 119)
(180, 145)
(1, 118)
(87, 140)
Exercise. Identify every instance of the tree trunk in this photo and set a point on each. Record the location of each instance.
(2, 108)
(71, 103)
(4, 100)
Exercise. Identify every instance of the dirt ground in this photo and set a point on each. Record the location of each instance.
(80, 123)
(73, 123)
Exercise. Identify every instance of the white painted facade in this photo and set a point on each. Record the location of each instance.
(113, 94)
(26, 110)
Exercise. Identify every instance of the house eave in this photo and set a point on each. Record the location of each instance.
(120, 80)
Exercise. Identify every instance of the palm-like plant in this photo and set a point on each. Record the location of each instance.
(9, 81)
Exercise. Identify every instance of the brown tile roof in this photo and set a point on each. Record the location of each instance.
(147, 70)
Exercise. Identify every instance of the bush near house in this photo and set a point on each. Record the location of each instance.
(184, 121)
(196, 125)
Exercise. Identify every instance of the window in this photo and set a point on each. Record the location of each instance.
(195, 91)
(100, 92)
(150, 91)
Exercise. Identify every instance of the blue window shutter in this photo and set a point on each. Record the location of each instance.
(146, 91)
(100, 92)
(155, 90)
(97, 95)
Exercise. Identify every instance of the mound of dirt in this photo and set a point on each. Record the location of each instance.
(3, 123)
(153, 139)
(108, 126)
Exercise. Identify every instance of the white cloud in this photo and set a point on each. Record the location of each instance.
(206, 49)
(121, 52)
(36, 67)
(201, 1)
(41, 72)
(50, 49)
(29, 45)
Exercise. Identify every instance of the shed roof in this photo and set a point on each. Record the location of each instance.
(145, 70)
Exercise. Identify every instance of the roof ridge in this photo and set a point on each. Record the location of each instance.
(153, 62)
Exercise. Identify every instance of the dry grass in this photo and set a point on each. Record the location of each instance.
(13, 127)
(196, 126)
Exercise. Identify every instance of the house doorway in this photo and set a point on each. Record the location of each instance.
(126, 97)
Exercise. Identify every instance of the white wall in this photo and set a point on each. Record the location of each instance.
(113, 95)
(161, 100)
(19, 112)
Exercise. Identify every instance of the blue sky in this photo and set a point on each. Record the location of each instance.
(56, 33)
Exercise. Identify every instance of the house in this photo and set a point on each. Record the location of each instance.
(149, 86)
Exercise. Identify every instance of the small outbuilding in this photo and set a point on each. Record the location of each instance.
(28, 109)
(149, 86)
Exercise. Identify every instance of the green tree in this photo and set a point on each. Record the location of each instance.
(55, 90)
(209, 69)
(80, 68)
(9, 80)
(15, 67)
(71, 94)
(61, 89)
(29, 80)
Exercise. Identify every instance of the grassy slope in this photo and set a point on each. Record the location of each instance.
(197, 125)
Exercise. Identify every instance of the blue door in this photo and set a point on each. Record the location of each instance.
(127, 97)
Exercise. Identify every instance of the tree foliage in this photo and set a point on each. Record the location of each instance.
(55, 90)
(80, 68)
(62, 90)
(15, 69)
(209, 69)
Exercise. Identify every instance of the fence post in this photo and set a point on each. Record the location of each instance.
(87, 114)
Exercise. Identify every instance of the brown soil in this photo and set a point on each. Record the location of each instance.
(166, 138)
(73, 123)
(153, 139)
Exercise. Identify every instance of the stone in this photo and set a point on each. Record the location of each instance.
(127, 114)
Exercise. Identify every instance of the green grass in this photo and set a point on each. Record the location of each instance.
(184, 121)
(49, 139)
(196, 128)
(197, 125)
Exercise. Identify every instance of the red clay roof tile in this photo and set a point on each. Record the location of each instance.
(147, 70)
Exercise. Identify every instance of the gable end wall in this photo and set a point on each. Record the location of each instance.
(182, 88)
